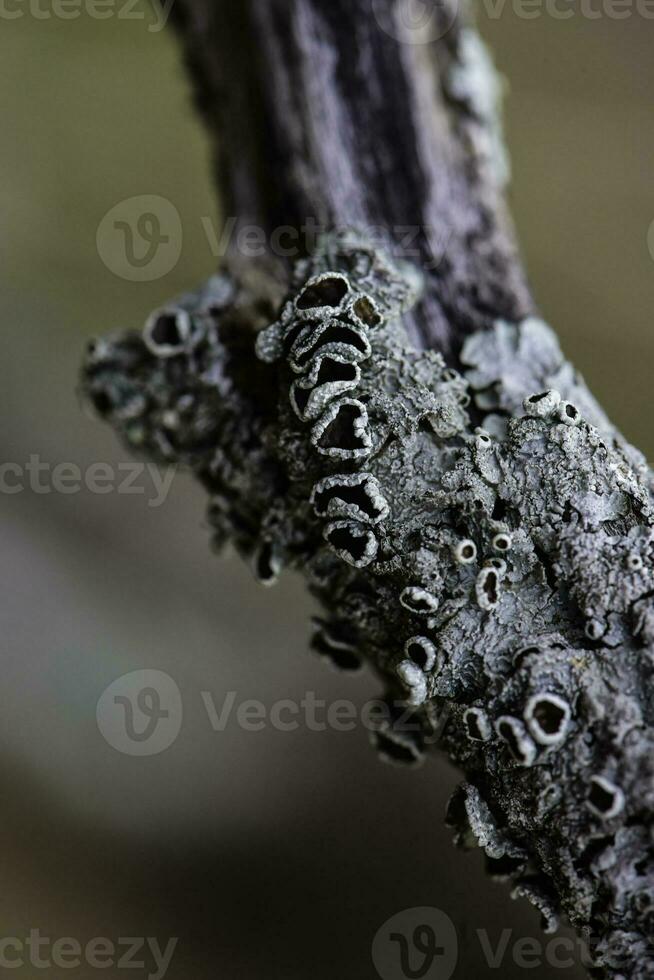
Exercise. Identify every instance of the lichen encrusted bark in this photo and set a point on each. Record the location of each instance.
(364, 112)
(483, 538)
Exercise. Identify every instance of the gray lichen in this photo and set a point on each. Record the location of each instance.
(473, 81)
(501, 577)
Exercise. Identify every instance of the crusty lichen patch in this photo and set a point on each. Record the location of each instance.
(498, 575)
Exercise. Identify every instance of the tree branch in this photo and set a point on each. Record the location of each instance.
(319, 112)
(482, 536)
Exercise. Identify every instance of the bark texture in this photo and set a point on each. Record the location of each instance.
(410, 436)
(347, 113)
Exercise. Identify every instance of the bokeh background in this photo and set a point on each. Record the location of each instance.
(267, 854)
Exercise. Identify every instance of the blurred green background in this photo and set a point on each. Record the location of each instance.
(267, 854)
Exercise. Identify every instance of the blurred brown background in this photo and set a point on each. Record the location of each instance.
(268, 854)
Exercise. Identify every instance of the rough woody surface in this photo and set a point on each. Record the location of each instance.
(334, 110)
(409, 435)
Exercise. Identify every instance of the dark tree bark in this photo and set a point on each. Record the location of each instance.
(409, 435)
(318, 112)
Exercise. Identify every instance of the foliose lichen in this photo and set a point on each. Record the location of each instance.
(483, 537)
